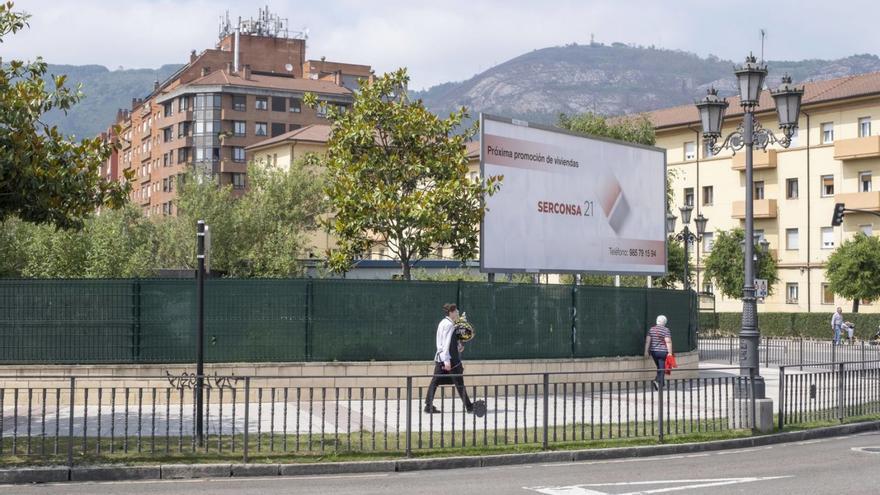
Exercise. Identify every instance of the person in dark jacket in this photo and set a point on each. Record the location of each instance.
(447, 361)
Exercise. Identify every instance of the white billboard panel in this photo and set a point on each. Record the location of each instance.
(570, 203)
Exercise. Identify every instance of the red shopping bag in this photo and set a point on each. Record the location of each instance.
(670, 363)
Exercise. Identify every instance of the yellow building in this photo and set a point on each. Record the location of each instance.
(286, 149)
(833, 158)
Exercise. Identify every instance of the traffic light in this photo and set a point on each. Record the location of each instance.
(837, 219)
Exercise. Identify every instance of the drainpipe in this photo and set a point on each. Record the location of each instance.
(809, 212)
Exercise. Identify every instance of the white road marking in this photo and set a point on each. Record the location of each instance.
(745, 451)
(585, 489)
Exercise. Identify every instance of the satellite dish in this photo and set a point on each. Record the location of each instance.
(288, 67)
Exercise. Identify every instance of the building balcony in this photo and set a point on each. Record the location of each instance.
(860, 200)
(760, 160)
(763, 208)
(853, 149)
(233, 167)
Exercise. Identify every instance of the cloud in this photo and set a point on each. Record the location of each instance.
(441, 41)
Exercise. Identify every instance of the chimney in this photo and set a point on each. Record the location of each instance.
(120, 115)
(192, 56)
(337, 77)
(206, 71)
(155, 85)
(237, 46)
(229, 68)
(247, 71)
(135, 102)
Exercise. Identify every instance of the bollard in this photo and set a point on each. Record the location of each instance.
(409, 416)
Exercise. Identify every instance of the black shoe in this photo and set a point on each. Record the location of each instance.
(469, 408)
(431, 410)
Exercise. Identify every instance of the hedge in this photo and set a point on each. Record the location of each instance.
(813, 325)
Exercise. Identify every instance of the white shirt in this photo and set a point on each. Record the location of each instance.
(444, 336)
(836, 319)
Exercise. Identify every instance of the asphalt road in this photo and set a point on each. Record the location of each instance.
(834, 466)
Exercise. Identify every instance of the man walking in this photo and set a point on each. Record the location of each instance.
(836, 324)
(447, 360)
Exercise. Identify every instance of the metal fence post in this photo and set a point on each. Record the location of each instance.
(247, 407)
(546, 409)
(136, 324)
(730, 350)
(841, 390)
(660, 409)
(409, 416)
(70, 423)
(833, 352)
(781, 396)
(308, 315)
(574, 290)
(753, 384)
(801, 360)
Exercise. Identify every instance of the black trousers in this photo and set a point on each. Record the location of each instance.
(439, 379)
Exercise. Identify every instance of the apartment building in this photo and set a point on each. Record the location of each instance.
(834, 157)
(248, 88)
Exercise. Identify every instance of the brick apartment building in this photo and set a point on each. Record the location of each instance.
(248, 88)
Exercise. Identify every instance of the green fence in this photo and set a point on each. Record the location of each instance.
(153, 320)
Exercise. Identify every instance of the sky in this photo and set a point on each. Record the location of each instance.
(445, 40)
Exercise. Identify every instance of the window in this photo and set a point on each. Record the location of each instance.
(238, 181)
(708, 195)
(690, 150)
(237, 153)
(864, 181)
(278, 128)
(791, 189)
(239, 102)
(293, 127)
(167, 134)
(791, 293)
(867, 229)
(827, 237)
(168, 109)
(262, 103)
(708, 242)
(295, 105)
(689, 196)
(759, 189)
(792, 239)
(707, 150)
(278, 104)
(239, 128)
(827, 295)
(166, 160)
(828, 132)
(182, 155)
(321, 109)
(182, 103)
(827, 186)
(864, 126)
(707, 288)
(183, 129)
(261, 129)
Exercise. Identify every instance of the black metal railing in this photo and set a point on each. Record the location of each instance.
(775, 351)
(95, 418)
(828, 391)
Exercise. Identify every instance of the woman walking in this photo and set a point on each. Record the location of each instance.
(658, 343)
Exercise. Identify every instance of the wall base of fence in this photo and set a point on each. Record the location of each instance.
(741, 414)
(335, 374)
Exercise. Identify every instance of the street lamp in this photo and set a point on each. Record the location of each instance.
(749, 134)
(686, 235)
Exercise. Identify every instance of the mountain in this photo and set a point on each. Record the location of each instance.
(105, 92)
(611, 80)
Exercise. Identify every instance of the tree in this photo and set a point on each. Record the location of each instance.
(396, 178)
(726, 268)
(853, 269)
(44, 176)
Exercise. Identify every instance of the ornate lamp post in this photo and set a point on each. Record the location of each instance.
(750, 134)
(686, 235)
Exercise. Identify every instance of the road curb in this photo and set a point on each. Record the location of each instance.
(52, 474)
(46, 474)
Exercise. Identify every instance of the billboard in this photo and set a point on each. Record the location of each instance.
(570, 203)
